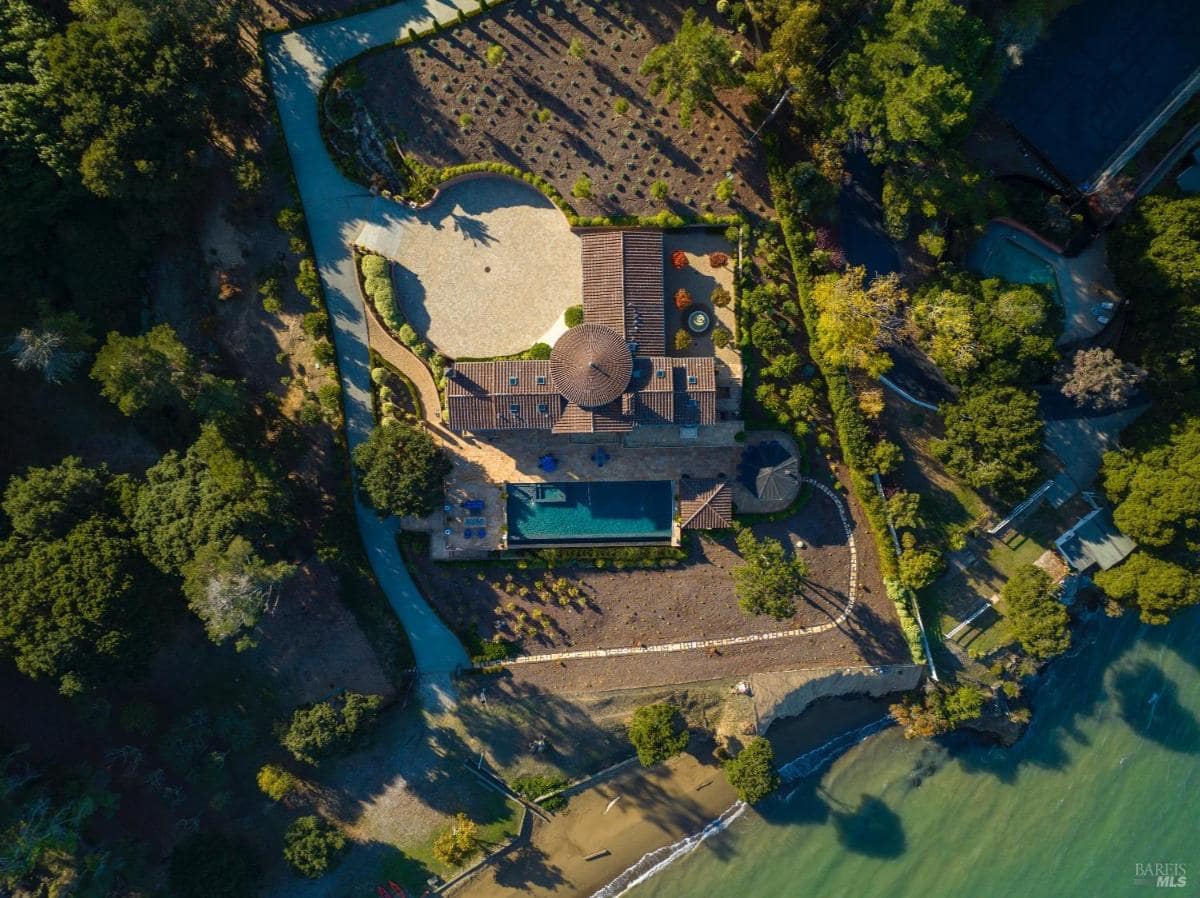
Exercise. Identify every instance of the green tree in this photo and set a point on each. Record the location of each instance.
(919, 567)
(904, 509)
(311, 845)
(457, 842)
(205, 497)
(582, 188)
(1155, 255)
(1156, 587)
(1038, 619)
(857, 321)
(134, 85)
(912, 86)
(767, 582)
(938, 711)
(993, 437)
(211, 864)
(401, 470)
(986, 331)
(798, 41)
(46, 503)
(150, 371)
(229, 587)
(322, 729)
(657, 732)
(690, 67)
(1156, 485)
(752, 772)
(76, 608)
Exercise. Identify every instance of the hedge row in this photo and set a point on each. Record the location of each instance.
(904, 600)
(852, 430)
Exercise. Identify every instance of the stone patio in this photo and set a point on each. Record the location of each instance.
(481, 467)
(487, 269)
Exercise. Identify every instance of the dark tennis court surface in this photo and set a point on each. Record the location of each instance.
(1103, 70)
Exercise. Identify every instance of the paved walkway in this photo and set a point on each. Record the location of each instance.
(692, 645)
(337, 209)
(402, 359)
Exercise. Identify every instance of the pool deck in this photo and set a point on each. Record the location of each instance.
(480, 469)
(1083, 281)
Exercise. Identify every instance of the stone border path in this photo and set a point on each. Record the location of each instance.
(728, 640)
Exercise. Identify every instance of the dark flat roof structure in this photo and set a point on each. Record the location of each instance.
(1103, 70)
(1095, 540)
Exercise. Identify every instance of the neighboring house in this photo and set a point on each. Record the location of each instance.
(1099, 84)
(607, 375)
(1094, 541)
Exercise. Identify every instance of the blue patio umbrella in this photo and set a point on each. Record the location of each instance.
(548, 463)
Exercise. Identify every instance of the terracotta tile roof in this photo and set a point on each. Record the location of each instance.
(574, 420)
(482, 396)
(591, 365)
(705, 504)
(623, 286)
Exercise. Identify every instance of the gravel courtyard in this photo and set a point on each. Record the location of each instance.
(486, 270)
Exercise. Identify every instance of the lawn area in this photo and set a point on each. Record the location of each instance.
(500, 820)
(562, 96)
(958, 593)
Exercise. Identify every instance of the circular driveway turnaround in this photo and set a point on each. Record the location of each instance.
(487, 268)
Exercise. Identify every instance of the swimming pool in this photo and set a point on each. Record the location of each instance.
(1000, 255)
(616, 511)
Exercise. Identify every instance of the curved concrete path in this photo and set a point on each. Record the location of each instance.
(337, 209)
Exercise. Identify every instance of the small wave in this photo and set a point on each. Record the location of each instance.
(654, 861)
(812, 761)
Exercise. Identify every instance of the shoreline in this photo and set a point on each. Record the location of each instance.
(644, 819)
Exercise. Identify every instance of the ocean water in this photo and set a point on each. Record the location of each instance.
(1106, 779)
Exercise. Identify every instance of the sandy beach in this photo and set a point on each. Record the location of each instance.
(635, 811)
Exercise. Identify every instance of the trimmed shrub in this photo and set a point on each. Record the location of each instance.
(682, 341)
(679, 260)
(683, 299)
(582, 188)
(660, 190)
(275, 782)
(573, 316)
(721, 297)
(718, 260)
(310, 845)
(407, 335)
(320, 730)
(374, 266)
(720, 337)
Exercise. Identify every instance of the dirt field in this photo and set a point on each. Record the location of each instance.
(690, 600)
(546, 111)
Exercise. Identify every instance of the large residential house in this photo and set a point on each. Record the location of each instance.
(609, 374)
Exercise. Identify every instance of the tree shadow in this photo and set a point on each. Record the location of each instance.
(472, 229)
(872, 829)
(1159, 717)
(527, 867)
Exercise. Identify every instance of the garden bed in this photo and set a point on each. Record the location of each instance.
(566, 103)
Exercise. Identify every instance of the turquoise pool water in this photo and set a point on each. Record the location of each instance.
(575, 512)
(999, 255)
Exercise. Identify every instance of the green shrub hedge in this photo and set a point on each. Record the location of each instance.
(852, 430)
